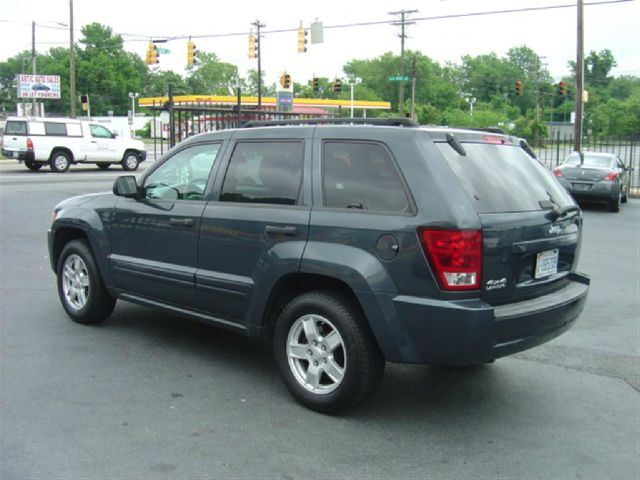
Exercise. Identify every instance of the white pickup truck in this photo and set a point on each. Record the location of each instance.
(60, 142)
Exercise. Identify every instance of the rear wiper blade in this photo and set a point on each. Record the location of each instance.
(555, 210)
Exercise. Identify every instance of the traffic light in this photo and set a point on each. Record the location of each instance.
(519, 88)
(191, 53)
(562, 88)
(285, 80)
(315, 84)
(84, 101)
(302, 39)
(337, 85)
(253, 46)
(152, 54)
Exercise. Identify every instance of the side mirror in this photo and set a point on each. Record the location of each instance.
(114, 135)
(126, 186)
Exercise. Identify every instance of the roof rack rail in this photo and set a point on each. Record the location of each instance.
(388, 122)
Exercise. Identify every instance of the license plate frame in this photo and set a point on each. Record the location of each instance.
(546, 263)
(581, 187)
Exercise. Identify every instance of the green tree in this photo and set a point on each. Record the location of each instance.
(210, 76)
(106, 72)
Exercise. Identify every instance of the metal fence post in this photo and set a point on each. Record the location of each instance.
(172, 126)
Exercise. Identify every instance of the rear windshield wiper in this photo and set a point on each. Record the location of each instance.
(557, 211)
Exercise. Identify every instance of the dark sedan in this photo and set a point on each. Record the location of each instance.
(598, 177)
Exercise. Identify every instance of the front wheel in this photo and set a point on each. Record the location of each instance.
(326, 354)
(130, 161)
(80, 287)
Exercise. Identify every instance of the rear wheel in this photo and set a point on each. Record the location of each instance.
(130, 161)
(60, 161)
(614, 205)
(33, 166)
(103, 165)
(326, 353)
(80, 287)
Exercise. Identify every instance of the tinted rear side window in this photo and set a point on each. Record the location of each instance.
(503, 178)
(51, 128)
(361, 175)
(264, 172)
(15, 128)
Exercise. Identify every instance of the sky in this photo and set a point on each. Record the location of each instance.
(550, 33)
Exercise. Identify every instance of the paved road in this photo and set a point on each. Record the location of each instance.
(150, 395)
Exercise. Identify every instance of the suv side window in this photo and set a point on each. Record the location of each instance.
(362, 175)
(264, 172)
(184, 176)
(98, 131)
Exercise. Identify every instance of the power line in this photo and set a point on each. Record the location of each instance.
(145, 38)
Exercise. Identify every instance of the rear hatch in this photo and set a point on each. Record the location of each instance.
(14, 139)
(530, 224)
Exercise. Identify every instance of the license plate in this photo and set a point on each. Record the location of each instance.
(9, 154)
(546, 263)
(581, 186)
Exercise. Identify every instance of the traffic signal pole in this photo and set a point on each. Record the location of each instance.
(258, 26)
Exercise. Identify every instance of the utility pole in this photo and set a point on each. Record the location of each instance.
(72, 63)
(258, 26)
(33, 66)
(413, 88)
(577, 127)
(402, 23)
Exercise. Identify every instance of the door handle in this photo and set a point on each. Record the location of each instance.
(287, 230)
(94, 141)
(181, 222)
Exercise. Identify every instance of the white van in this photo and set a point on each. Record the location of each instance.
(60, 142)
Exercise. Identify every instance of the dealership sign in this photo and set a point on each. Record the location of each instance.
(38, 86)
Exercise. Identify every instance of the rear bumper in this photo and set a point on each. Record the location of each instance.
(429, 331)
(598, 192)
(20, 155)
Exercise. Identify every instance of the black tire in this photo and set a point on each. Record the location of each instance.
(60, 161)
(614, 205)
(33, 166)
(130, 161)
(358, 356)
(103, 165)
(87, 304)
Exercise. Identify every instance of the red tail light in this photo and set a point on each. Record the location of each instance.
(29, 144)
(455, 256)
(611, 177)
(557, 172)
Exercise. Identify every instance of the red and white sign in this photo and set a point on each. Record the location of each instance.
(38, 86)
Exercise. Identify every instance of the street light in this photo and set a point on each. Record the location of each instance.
(353, 82)
(132, 96)
(470, 101)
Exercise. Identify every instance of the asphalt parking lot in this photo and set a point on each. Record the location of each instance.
(149, 395)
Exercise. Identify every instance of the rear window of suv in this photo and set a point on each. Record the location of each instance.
(503, 178)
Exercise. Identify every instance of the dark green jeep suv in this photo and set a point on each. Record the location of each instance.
(346, 245)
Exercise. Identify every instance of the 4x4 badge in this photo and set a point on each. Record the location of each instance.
(496, 284)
